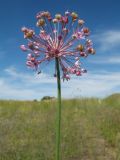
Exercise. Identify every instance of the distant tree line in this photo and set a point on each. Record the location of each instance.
(45, 98)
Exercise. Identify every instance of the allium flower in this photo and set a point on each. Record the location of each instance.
(64, 37)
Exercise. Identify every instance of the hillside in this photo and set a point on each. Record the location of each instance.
(90, 129)
(113, 99)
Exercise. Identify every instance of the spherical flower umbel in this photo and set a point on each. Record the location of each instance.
(64, 37)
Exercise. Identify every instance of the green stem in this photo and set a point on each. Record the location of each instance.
(58, 111)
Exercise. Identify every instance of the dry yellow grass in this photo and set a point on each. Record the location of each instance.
(90, 129)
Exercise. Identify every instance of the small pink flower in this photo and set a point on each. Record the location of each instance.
(77, 58)
(86, 31)
(72, 71)
(80, 35)
(65, 30)
(78, 73)
(89, 43)
(67, 13)
(82, 54)
(23, 47)
(24, 29)
(66, 76)
(64, 19)
(77, 63)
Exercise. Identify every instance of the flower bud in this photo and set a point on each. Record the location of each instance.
(86, 31)
(65, 30)
(67, 77)
(31, 46)
(82, 54)
(67, 13)
(40, 22)
(47, 14)
(32, 59)
(74, 36)
(80, 47)
(78, 73)
(72, 71)
(74, 16)
(24, 29)
(91, 51)
(55, 20)
(64, 19)
(23, 48)
(77, 58)
(58, 16)
(59, 37)
(81, 22)
(49, 18)
(77, 63)
(29, 34)
(88, 42)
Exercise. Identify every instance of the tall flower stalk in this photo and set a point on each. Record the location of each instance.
(63, 39)
(58, 131)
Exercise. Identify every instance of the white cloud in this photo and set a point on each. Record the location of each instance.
(105, 60)
(9, 91)
(93, 84)
(115, 60)
(29, 78)
(90, 84)
(107, 40)
(107, 47)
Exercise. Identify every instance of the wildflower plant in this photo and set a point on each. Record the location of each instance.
(63, 39)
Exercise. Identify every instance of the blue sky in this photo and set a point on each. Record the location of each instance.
(102, 79)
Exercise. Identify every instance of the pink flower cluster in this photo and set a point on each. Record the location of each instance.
(64, 37)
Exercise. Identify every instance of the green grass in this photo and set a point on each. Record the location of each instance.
(90, 129)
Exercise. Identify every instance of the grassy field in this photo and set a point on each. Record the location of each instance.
(90, 129)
